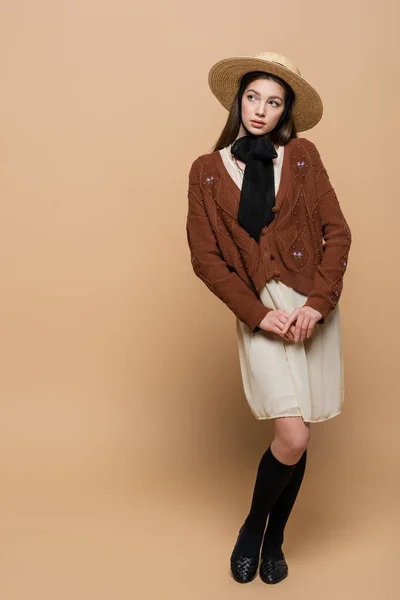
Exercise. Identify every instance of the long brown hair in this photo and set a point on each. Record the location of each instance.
(281, 136)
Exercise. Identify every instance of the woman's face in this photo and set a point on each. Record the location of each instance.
(262, 105)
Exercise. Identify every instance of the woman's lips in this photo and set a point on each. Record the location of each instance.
(257, 124)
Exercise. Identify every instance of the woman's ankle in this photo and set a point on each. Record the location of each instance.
(272, 547)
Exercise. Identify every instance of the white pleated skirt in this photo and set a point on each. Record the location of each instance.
(289, 379)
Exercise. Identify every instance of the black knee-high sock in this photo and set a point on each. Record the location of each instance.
(280, 512)
(272, 477)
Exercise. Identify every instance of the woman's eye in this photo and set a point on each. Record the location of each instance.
(251, 96)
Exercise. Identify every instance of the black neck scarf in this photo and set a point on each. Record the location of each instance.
(257, 197)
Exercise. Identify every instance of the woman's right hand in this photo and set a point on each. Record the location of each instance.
(274, 321)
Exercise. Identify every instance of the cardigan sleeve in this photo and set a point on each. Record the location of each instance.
(328, 280)
(208, 263)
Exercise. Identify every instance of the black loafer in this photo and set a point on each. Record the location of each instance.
(273, 571)
(243, 568)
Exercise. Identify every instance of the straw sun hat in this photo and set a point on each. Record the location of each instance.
(224, 79)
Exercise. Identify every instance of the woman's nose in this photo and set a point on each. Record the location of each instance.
(261, 110)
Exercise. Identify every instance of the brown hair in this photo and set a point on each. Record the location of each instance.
(281, 136)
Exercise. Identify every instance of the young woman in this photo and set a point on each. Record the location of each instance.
(268, 237)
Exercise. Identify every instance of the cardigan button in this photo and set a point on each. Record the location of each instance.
(264, 232)
(277, 274)
(275, 209)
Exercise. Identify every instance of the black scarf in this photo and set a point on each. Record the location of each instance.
(257, 197)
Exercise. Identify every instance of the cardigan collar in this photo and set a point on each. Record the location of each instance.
(226, 178)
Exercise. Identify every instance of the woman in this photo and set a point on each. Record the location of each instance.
(268, 237)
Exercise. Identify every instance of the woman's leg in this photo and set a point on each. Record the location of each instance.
(291, 437)
(274, 472)
(280, 512)
(273, 565)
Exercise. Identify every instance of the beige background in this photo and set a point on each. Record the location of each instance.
(127, 449)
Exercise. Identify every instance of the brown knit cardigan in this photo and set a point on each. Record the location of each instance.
(306, 246)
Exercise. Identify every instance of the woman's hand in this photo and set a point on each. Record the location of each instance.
(306, 318)
(274, 322)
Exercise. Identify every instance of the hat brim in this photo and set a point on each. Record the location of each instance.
(224, 80)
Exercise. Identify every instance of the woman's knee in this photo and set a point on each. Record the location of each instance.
(296, 443)
(291, 438)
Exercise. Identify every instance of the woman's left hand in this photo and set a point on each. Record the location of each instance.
(306, 318)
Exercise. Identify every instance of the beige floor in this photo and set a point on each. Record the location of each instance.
(111, 539)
